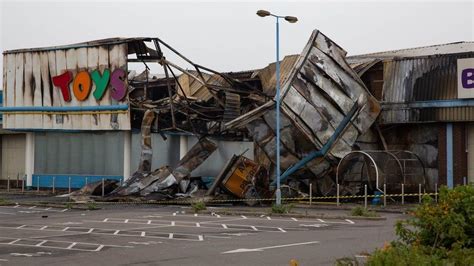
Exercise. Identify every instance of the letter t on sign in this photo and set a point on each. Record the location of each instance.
(62, 81)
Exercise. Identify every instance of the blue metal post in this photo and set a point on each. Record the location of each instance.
(449, 155)
(277, 94)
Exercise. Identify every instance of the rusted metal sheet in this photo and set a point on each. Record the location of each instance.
(267, 75)
(144, 183)
(318, 93)
(34, 101)
(419, 83)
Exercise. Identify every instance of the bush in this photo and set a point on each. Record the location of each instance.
(6, 202)
(282, 208)
(198, 206)
(361, 211)
(438, 234)
(92, 206)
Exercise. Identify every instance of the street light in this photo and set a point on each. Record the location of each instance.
(264, 13)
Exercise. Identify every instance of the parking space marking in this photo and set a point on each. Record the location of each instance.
(263, 217)
(56, 244)
(34, 209)
(212, 224)
(113, 232)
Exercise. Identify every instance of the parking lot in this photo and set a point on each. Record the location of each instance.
(31, 235)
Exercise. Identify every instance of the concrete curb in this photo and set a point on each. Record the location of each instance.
(293, 215)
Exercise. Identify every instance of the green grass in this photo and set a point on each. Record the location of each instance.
(4, 202)
(282, 208)
(198, 206)
(363, 212)
(92, 206)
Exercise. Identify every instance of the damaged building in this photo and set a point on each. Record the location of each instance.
(95, 110)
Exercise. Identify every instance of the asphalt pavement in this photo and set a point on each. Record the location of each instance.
(161, 235)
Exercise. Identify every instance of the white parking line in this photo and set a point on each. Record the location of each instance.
(224, 226)
(71, 245)
(294, 219)
(349, 221)
(41, 243)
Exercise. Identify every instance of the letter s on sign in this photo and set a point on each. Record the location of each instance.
(467, 77)
(117, 80)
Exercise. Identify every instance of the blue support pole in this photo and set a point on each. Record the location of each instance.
(449, 155)
(277, 94)
(324, 150)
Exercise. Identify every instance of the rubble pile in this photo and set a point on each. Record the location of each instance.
(325, 107)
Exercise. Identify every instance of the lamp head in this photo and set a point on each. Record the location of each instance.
(291, 19)
(263, 13)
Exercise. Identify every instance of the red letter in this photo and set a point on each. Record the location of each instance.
(62, 81)
(118, 85)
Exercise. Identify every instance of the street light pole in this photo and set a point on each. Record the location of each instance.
(277, 96)
(264, 13)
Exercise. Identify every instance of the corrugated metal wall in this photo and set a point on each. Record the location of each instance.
(79, 153)
(421, 79)
(13, 156)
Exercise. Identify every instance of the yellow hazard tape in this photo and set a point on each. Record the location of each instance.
(191, 201)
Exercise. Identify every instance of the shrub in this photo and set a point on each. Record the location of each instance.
(92, 206)
(361, 211)
(282, 208)
(198, 206)
(438, 234)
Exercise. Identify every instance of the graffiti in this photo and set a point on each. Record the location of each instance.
(82, 84)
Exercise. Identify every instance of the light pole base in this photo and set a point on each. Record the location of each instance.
(278, 197)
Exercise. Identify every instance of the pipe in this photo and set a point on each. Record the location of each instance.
(64, 108)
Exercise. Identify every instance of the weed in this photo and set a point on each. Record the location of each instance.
(361, 211)
(282, 208)
(92, 206)
(198, 206)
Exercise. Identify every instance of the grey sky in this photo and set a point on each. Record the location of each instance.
(229, 36)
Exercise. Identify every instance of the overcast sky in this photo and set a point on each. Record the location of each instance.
(229, 36)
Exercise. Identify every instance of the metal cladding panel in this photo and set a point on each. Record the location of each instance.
(85, 153)
(320, 91)
(317, 93)
(422, 79)
(29, 85)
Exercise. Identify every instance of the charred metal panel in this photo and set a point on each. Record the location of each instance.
(318, 93)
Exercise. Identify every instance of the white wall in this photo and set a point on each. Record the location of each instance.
(13, 156)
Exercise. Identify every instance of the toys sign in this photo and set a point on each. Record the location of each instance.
(82, 84)
(466, 78)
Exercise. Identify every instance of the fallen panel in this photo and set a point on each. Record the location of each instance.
(316, 96)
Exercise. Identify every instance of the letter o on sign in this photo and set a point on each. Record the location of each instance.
(82, 85)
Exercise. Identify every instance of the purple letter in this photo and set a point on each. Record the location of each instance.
(466, 76)
(118, 85)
